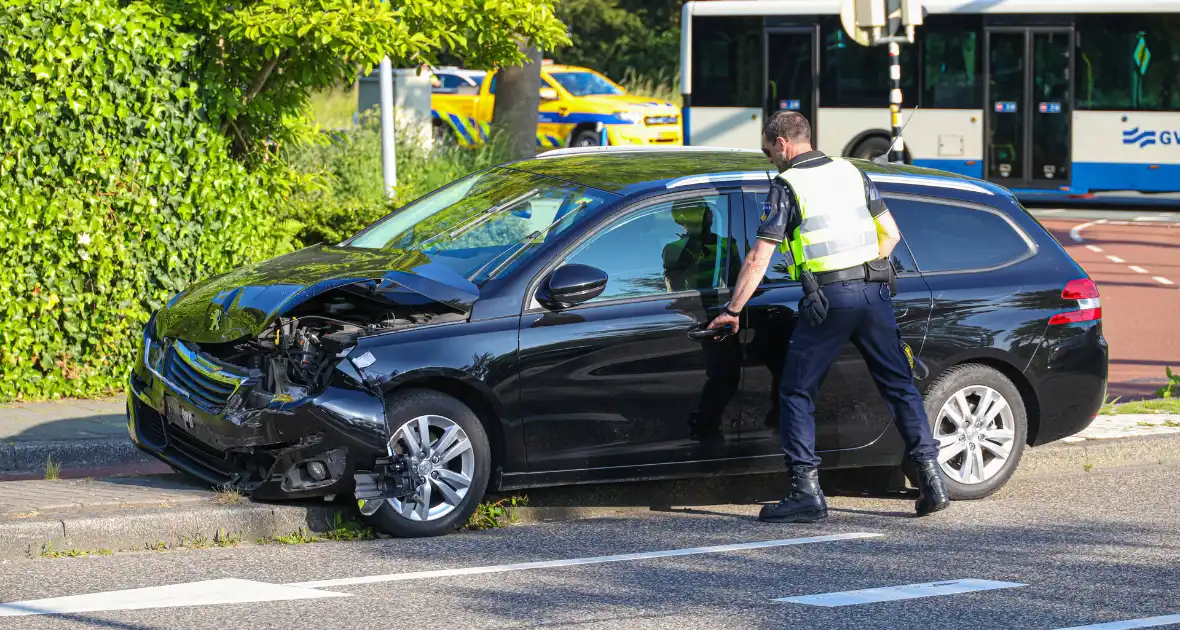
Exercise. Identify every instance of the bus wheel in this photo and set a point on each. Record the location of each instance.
(870, 148)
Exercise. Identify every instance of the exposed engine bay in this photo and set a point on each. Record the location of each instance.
(295, 353)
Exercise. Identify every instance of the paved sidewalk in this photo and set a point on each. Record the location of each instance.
(63, 420)
(1128, 425)
(87, 438)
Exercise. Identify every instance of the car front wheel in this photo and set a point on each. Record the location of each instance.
(979, 422)
(445, 444)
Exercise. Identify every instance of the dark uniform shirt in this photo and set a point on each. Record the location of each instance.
(780, 213)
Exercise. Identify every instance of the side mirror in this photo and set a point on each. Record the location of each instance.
(571, 284)
(548, 94)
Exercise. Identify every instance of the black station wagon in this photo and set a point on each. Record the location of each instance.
(542, 323)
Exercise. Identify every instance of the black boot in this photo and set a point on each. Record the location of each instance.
(804, 504)
(932, 494)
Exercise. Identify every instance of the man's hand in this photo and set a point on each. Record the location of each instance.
(724, 320)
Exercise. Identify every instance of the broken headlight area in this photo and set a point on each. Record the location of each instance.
(295, 354)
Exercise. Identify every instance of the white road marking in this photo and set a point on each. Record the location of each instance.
(1163, 280)
(1076, 231)
(550, 564)
(1137, 269)
(1145, 218)
(1116, 259)
(1094, 248)
(1119, 222)
(895, 593)
(1147, 622)
(1054, 211)
(223, 591)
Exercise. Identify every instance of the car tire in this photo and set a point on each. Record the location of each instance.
(586, 138)
(1005, 426)
(404, 411)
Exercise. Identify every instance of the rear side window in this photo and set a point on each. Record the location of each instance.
(946, 237)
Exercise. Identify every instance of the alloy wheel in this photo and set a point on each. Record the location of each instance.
(440, 454)
(975, 432)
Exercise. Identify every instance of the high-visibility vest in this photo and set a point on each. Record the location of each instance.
(837, 231)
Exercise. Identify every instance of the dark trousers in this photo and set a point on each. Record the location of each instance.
(863, 313)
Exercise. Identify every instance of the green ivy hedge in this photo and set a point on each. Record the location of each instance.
(114, 192)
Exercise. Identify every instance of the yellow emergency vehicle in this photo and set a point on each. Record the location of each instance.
(579, 107)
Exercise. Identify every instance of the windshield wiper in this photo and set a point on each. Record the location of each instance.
(516, 248)
(478, 219)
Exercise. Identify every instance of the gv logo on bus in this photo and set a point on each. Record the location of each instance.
(1146, 137)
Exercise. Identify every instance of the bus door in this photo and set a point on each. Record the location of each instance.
(1029, 106)
(791, 67)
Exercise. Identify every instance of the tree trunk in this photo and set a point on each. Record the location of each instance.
(514, 114)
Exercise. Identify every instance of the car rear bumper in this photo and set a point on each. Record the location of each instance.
(264, 450)
(1070, 372)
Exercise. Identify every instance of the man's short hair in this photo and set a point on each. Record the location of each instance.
(791, 126)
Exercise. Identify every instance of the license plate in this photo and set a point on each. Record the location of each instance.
(178, 414)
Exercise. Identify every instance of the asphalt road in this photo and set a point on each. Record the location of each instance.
(1134, 257)
(1084, 548)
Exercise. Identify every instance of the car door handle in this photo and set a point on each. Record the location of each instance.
(710, 333)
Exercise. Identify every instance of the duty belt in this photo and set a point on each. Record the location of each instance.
(841, 275)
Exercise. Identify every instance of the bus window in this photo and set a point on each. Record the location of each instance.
(1109, 72)
(726, 62)
(952, 62)
(852, 75)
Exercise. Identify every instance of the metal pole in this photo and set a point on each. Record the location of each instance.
(388, 163)
(897, 147)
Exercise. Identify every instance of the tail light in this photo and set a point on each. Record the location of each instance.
(1085, 293)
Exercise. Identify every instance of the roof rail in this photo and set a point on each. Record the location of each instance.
(765, 176)
(623, 148)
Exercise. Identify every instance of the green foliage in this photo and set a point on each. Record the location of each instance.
(260, 60)
(119, 125)
(347, 192)
(114, 194)
(1173, 387)
(640, 38)
(496, 514)
(52, 469)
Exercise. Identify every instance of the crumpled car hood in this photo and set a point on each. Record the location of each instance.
(243, 302)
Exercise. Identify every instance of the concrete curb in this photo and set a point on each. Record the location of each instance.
(24, 457)
(201, 524)
(188, 525)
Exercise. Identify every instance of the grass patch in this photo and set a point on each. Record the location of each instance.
(228, 495)
(661, 86)
(1153, 406)
(334, 108)
(52, 469)
(342, 529)
(47, 551)
(491, 515)
(1087, 467)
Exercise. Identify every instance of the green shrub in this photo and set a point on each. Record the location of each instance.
(346, 170)
(114, 193)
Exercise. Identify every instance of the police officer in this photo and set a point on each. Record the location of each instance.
(830, 222)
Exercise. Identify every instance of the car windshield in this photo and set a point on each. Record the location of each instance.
(585, 83)
(482, 224)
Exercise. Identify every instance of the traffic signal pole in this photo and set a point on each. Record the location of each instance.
(897, 146)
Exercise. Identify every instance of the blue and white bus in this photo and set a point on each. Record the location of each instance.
(1049, 98)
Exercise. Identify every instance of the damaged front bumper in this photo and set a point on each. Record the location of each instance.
(271, 446)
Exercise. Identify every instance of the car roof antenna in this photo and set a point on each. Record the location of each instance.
(884, 157)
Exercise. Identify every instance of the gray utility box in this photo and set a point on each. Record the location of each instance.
(411, 101)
